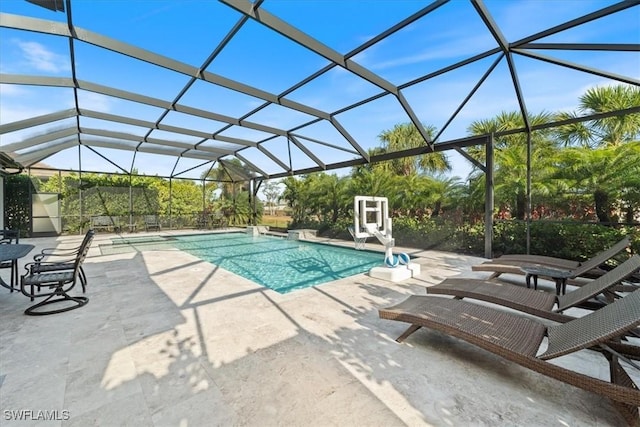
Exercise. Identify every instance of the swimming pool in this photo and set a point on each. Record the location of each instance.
(277, 263)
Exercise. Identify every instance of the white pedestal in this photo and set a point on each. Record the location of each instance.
(398, 274)
(301, 234)
(256, 230)
(415, 269)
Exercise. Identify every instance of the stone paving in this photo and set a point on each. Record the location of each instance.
(170, 340)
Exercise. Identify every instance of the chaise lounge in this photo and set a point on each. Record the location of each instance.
(521, 340)
(590, 268)
(539, 304)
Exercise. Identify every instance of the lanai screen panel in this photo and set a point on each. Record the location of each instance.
(290, 87)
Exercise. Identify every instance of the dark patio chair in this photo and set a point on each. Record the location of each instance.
(58, 281)
(8, 237)
(38, 266)
(152, 222)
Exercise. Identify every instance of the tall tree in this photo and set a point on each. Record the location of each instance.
(606, 170)
(329, 196)
(510, 152)
(609, 174)
(443, 192)
(271, 191)
(296, 195)
(405, 136)
(608, 131)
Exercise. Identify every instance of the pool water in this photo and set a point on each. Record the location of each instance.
(277, 263)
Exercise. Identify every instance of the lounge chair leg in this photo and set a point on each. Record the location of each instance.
(411, 329)
(620, 376)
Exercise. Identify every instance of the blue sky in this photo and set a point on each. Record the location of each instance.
(188, 31)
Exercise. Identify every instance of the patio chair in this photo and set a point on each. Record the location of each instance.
(152, 222)
(539, 304)
(8, 237)
(38, 266)
(105, 222)
(589, 268)
(520, 339)
(59, 282)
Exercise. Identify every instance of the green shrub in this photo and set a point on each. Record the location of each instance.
(566, 239)
(563, 239)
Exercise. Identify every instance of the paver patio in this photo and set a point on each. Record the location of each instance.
(170, 340)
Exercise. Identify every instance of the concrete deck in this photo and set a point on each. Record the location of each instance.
(170, 340)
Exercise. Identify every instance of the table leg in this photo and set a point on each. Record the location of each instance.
(561, 285)
(535, 280)
(12, 280)
(14, 275)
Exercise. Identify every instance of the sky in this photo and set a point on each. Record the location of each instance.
(189, 31)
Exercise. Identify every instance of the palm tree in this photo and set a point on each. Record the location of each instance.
(229, 184)
(609, 131)
(329, 196)
(610, 174)
(296, 196)
(405, 136)
(510, 158)
(442, 192)
(372, 182)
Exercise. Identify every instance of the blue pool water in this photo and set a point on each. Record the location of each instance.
(280, 264)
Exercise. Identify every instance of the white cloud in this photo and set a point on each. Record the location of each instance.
(41, 58)
(460, 47)
(13, 91)
(14, 113)
(94, 101)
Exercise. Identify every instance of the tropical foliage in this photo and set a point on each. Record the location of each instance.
(178, 202)
(586, 171)
(581, 172)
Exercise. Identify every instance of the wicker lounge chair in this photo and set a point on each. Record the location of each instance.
(520, 339)
(589, 268)
(539, 304)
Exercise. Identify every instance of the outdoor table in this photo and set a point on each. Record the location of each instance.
(558, 275)
(12, 252)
